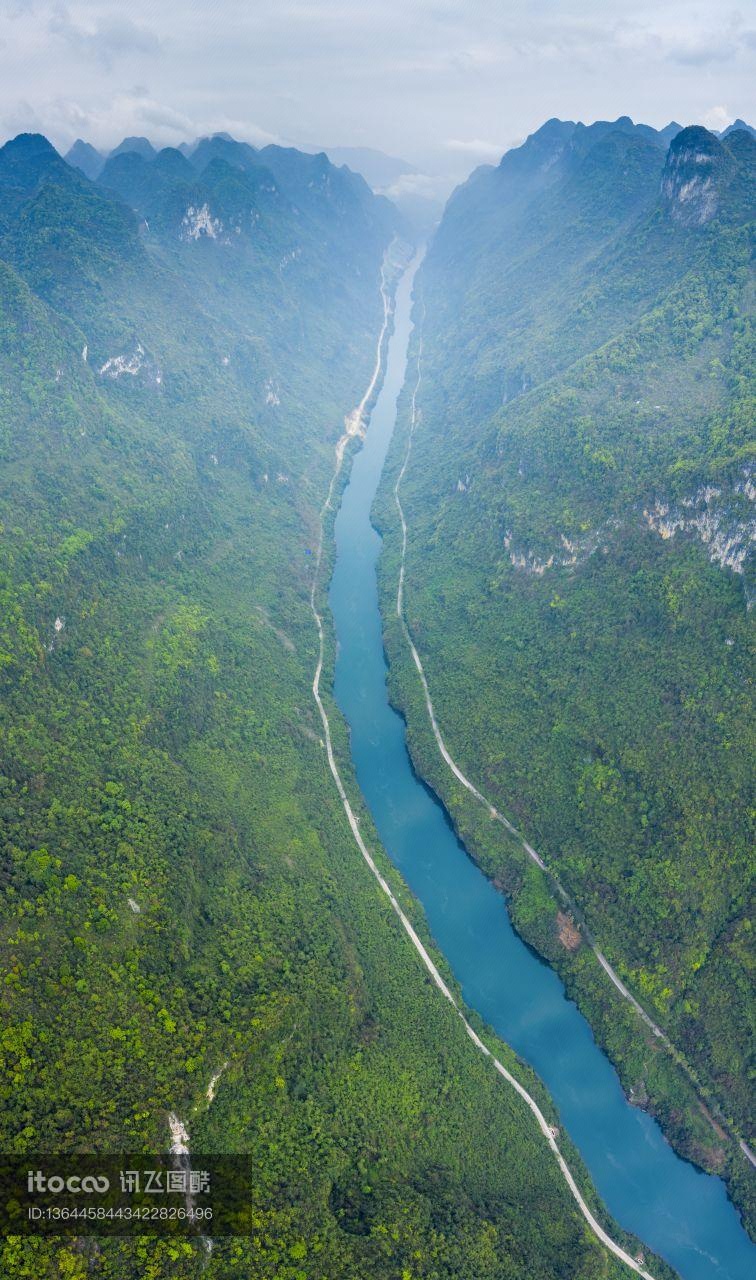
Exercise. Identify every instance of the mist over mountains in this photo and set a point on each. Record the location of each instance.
(419, 196)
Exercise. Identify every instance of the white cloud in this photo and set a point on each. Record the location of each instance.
(477, 148)
(106, 40)
(717, 118)
(105, 121)
(20, 117)
(243, 130)
(419, 184)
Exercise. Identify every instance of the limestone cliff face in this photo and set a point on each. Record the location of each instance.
(706, 177)
(722, 517)
(693, 176)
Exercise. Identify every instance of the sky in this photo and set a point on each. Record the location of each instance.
(445, 84)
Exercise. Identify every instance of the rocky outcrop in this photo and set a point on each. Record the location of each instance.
(693, 176)
(136, 363)
(570, 552)
(705, 178)
(723, 519)
(198, 221)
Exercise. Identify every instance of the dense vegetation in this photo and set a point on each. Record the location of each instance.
(180, 888)
(579, 501)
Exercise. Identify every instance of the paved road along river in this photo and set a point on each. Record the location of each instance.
(681, 1213)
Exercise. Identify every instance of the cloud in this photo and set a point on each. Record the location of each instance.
(104, 123)
(717, 119)
(243, 130)
(419, 185)
(711, 47)
(686, 44)
(22, 117)
(108, 40)
(475, 74)
(477, 147)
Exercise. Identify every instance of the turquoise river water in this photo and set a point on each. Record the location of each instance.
(679, 1212)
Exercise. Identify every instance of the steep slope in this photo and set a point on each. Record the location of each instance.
(82, 155)
(132, 145)
(275, 206)
(57, 229)
(738, 126)
(186, 927)
(580, 507)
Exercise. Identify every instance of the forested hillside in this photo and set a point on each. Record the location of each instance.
(579, 498)
(187, 926)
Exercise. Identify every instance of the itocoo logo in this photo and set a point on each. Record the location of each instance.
(36, 1181)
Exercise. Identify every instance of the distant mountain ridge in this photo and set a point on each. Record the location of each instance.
(737, 126)
(377, 168)
(400, 181)
(217, 187)
(82, 155)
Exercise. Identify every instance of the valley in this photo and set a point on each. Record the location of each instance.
(235, 916)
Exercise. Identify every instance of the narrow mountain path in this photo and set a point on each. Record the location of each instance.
(492, 810)
(354, 424)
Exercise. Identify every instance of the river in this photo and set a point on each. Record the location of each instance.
(679, 1212)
